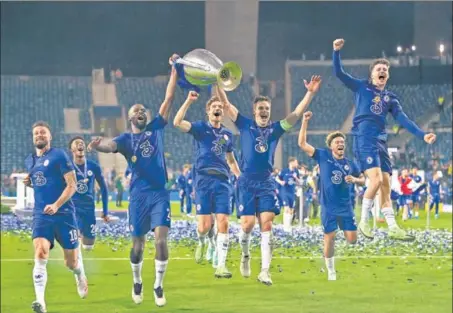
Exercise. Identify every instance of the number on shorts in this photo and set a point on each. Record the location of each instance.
(93, 229)
(74, 236)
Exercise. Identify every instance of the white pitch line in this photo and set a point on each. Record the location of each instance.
(278, 257)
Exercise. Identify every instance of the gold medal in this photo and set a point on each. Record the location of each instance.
(134, 159)
(85, 180)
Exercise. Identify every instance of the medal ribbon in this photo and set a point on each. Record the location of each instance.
(84, 174)
(135, 147)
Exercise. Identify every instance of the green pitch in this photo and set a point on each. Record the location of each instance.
(365, 285)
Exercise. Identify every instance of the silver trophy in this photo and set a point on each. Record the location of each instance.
(203, 68)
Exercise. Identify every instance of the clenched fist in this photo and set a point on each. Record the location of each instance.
(338, 44)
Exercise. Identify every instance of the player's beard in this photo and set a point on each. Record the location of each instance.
(41, 144)
(140, 124)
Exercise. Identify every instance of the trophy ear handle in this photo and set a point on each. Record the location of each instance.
(229, 76)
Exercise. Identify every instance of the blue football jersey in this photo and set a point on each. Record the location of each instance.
(434, 187)
(289, 177)
(181, 181)
(335, 193)
(47, 176)
(258, 146)
(87, 174)
(144, 153)
(210, 148)
(372, 106)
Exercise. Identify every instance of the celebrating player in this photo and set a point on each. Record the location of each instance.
(373, 103)
(435, 193)
(149, 207)
(288, 178)
(336, 175)
(51, 174)
(259, 138)
(214, 159)
(87, 172)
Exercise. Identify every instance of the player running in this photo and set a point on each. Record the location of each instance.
(87, 172)
(149, 206)
(288, 179)
(52, 177)
(373, 103)
(259, 138)
(337, 173)
(214, 158)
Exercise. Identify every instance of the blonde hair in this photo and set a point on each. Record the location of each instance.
(330, 137)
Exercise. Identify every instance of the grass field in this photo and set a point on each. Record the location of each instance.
(366, 284)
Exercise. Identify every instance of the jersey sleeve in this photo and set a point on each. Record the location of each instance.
(397, 112)
(103, 187)
(157, 123)
(196, 129)
(355, 171)
(65, 163)
(121, 143)
(352, 83)
(242, 122)
(279, 128)
(29, 162)
(319, 154)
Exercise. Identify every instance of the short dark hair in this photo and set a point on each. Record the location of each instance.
(260, 98)
(42, 124)
(330, 137)
(74, 139)
(379, 61)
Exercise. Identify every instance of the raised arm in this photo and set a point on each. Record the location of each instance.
(165, 107)
(104, 191)
(350, 82)
(179, 121)
(108, 146)
(233, 164)
(230, 110)
(407, 123)
(302, 141)
(312, 89)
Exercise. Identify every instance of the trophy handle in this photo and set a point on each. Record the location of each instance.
(199, 66)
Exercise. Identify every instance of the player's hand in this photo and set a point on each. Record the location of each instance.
(350, 179)
(338, 44)
(173, 59)
(314, 84)
(430, 138)
(192, 96)
(50, 209)
(27, 181)
(94, 144)
(181, 192)
(307, 115)
(106, 218)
